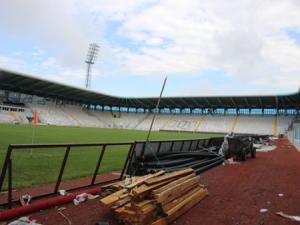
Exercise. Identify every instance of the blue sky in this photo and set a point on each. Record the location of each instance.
(202, 46)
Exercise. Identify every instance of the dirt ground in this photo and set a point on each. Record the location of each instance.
(236, 194)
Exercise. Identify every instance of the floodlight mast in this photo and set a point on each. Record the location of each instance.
(90, 59)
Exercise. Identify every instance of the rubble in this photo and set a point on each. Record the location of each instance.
(26, 220)
(154, 199)
(293, 218)
(263, 210)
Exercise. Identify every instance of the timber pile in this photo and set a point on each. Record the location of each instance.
(154, 199)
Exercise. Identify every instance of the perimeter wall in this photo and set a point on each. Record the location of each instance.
(294, 135)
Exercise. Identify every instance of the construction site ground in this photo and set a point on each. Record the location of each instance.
(236, 195)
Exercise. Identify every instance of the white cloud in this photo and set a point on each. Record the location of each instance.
(242, 38)
(53, 24)
(154, 41)
(247, 39)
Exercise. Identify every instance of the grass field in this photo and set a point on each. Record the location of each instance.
(42, 166)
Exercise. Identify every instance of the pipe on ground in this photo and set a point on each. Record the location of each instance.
(43, 204)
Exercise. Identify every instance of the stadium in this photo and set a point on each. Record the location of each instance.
(67, 114)
(183, 112)
(62, 105)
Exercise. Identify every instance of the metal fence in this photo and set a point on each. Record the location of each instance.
(8, 163)
(143, 150)
(137, 151)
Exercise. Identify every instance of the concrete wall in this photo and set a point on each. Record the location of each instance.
(294, 135)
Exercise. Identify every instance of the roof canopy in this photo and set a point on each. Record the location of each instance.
(17, 82)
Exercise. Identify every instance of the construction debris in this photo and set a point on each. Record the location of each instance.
(263, 210)
(264, 147)
(62, 192)
(293, 218)
(25, 199)
(26, 220)
(155, 199)
(83, 197)
(230, 161)
(80, 198)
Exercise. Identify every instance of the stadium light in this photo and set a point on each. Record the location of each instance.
(90, 59)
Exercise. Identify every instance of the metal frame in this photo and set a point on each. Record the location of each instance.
(132, 153)
(7, 166)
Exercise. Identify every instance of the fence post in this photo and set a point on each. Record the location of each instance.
(171, 148)
(181, 147)
(9, 196)
(143, 150)
(63, 165)
(128, 159)
(5, 165)
(189, 148)
(98, 164)
(197, 146)
(158, 148)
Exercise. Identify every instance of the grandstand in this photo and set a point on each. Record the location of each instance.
(62, 105)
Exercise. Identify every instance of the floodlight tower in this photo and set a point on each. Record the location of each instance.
(90, 59)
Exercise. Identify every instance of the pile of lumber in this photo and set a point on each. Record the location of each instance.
(154, 199)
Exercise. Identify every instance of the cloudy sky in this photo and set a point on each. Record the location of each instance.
(213, 47)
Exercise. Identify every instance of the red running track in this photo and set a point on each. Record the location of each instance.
(236, 194)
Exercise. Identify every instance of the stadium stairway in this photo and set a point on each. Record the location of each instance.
(72, 117)
(234, 124)
(13, 116)
(169, 120)
(198, 124)
(276, 125)
(102, 122)
(141, 120)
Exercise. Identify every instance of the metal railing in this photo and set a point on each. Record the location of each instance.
(143, 150)
(8, 162)
(136, 150)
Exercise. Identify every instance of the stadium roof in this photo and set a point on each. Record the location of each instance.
(17, 82)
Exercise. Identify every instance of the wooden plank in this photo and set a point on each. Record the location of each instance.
(119, 210)
(177, 190)
(127, 212)
(147, 188)
(161, 221)
(172, 184)
(169, 176)
(143, 199)
(143, 179)
(188, 203)
(176, 201)
(183, 207)
(121, 202)
(147, 208)
(139, 205)
(113, 197)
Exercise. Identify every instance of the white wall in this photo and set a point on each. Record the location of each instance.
(70, 115)
(294, 135)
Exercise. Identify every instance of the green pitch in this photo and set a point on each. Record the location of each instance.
(35, 167)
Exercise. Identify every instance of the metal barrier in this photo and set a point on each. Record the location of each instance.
(137, 150)
(8, 162)
(142, 150)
